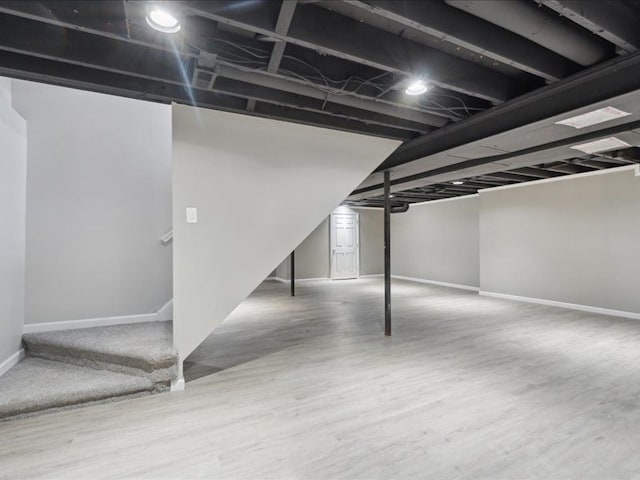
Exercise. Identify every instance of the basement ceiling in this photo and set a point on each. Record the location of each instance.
(500, 73)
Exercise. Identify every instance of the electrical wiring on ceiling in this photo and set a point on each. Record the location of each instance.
(249, 58)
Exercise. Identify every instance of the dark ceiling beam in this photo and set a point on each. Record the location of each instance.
(79, 48)
(280, 82)
(71, 46)
(288, 100)
(336, 123)
(600, 164)
(613, 78)
(333, 34)
(569, 168)
(76, 76)
(282, 27)
(467, 31)
(24, 16)
(107, 19)
(497, 159)
(534, 172)
(614, 21)
(487, 183)
(526, 19)
(480, 185)
(512, 177)
(615, 161)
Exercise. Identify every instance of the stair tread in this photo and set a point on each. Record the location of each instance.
(147, 345)
(36, 384)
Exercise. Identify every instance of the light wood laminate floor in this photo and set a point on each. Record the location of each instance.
(308, 387)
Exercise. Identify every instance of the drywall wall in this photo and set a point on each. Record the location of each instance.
(98, 200)
(437, 241)
(371, 241)
(13, 179)
(244, 174)
(574, 240)
(313, 256)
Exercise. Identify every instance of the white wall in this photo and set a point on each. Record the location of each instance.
(575, 240)
(13, 178)
(572, 240)
(98, 200)
(244, 175)
(437, 241)
(313, 256)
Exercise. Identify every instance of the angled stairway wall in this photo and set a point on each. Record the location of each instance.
(13, 180)
(260, 187)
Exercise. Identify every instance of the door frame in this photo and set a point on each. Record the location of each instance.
(332, 247)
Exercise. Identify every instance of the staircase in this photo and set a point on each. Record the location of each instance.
(66, 369)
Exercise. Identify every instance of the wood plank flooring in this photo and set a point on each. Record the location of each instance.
(309, 388)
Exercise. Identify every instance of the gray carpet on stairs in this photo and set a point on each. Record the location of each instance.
(38, 385)
(140, 349)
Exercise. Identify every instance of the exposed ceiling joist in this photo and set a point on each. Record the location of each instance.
(284, 99)
(467, 31)
(280, 82)
(500, 163)
(534, 172)
(282, 27)
(77, 76)
(527, 20)
(80, 44)
(79, 48)
(336, 35)
(611, 79)
(607, 19)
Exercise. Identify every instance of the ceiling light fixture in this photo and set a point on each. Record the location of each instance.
(163, 21)
(458, 182)
(593, 118)
(416, 87)
(602, 145)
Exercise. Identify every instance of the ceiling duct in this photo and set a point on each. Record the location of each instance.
(402, 208)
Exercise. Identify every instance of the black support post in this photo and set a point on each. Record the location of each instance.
(293, 273)
(387, 255)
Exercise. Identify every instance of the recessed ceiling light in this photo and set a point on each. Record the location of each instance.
(163, 21)
(601, 145)
(592, 118)
(416, 87)
(458, 182)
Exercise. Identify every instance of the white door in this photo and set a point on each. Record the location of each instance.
(345, 242)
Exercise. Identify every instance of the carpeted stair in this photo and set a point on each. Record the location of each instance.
(75, 367)
(36, 385)
(140, 349)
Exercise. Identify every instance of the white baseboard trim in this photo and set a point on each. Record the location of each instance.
(11, 361)
(571, 306)
(287, 280)
(166, 312)
(89, 322)
(372, 275)
(435, 282)
(177, 385)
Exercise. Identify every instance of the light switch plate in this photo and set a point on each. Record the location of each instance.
(192, 215)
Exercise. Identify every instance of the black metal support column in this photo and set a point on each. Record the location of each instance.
(387, 255)
(293, 273)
